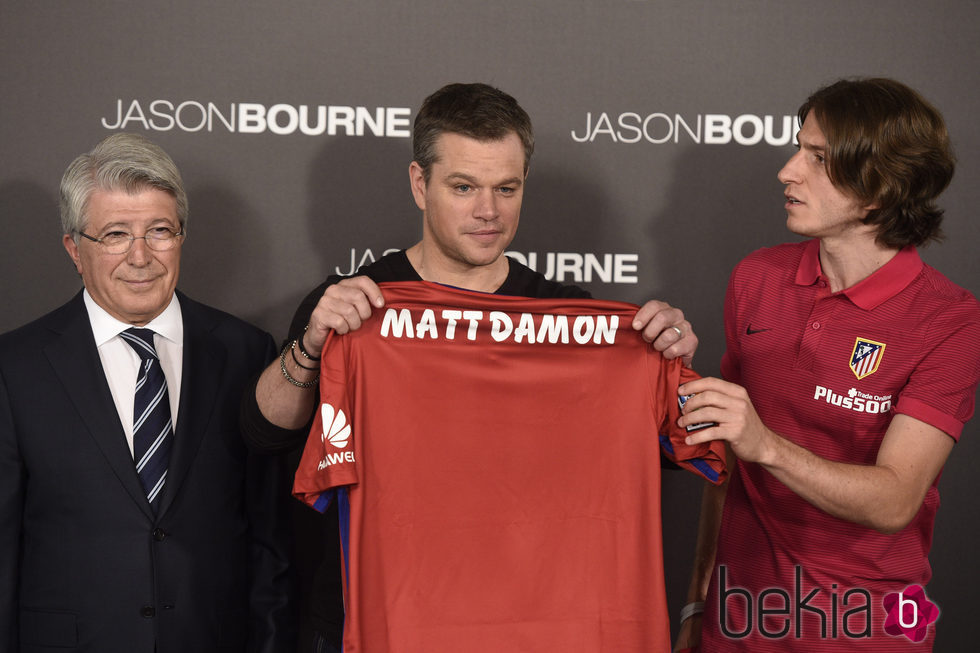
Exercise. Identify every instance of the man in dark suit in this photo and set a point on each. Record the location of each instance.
(132, 518)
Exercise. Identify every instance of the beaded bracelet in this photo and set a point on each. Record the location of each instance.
(292, 351)
(285, 373)
(302, 349)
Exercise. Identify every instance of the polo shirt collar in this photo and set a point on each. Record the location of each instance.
(886, 282)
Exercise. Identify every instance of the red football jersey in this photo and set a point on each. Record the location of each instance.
(501, 460)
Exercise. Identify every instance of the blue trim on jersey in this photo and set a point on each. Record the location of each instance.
(321, 504)
(343, 513)
(323, 501)
(705, 469)
(698, 464)
(343, 516)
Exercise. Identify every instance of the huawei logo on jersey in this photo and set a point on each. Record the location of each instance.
(336, 430)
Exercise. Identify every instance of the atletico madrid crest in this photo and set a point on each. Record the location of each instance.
(866, 357)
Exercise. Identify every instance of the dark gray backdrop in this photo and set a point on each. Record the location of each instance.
(273, 213)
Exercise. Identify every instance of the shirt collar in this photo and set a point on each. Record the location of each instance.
(168, 324)
(886, 282)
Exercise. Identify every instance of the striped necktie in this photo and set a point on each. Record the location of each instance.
(152, 426)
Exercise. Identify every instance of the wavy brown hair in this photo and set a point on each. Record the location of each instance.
(889, 147)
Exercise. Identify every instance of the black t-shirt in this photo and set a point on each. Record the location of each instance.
(325, 598)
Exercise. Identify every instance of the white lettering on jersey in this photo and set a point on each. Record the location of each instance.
(859, 402)
(530, 328)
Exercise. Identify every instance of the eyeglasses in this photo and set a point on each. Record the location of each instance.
(159, 239)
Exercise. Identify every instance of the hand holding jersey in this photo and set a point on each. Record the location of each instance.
(884, 496)
(342, 308)
(664, 326)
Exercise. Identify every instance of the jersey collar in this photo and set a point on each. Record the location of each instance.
(886, 282)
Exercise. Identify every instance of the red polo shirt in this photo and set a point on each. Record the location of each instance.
(828, 371)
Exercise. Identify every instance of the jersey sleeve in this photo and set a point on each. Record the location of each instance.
(329, 459)
(941, 390)
(706, 459)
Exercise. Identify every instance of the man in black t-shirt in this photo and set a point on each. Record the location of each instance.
(472, 145)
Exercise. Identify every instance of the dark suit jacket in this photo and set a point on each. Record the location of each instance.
(84, 563)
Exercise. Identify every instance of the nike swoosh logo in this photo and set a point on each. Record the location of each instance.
(750, 331)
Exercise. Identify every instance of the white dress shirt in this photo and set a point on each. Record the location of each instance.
(121, 363)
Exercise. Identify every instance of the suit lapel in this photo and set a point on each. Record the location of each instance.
(202, 366)
(76, 362)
